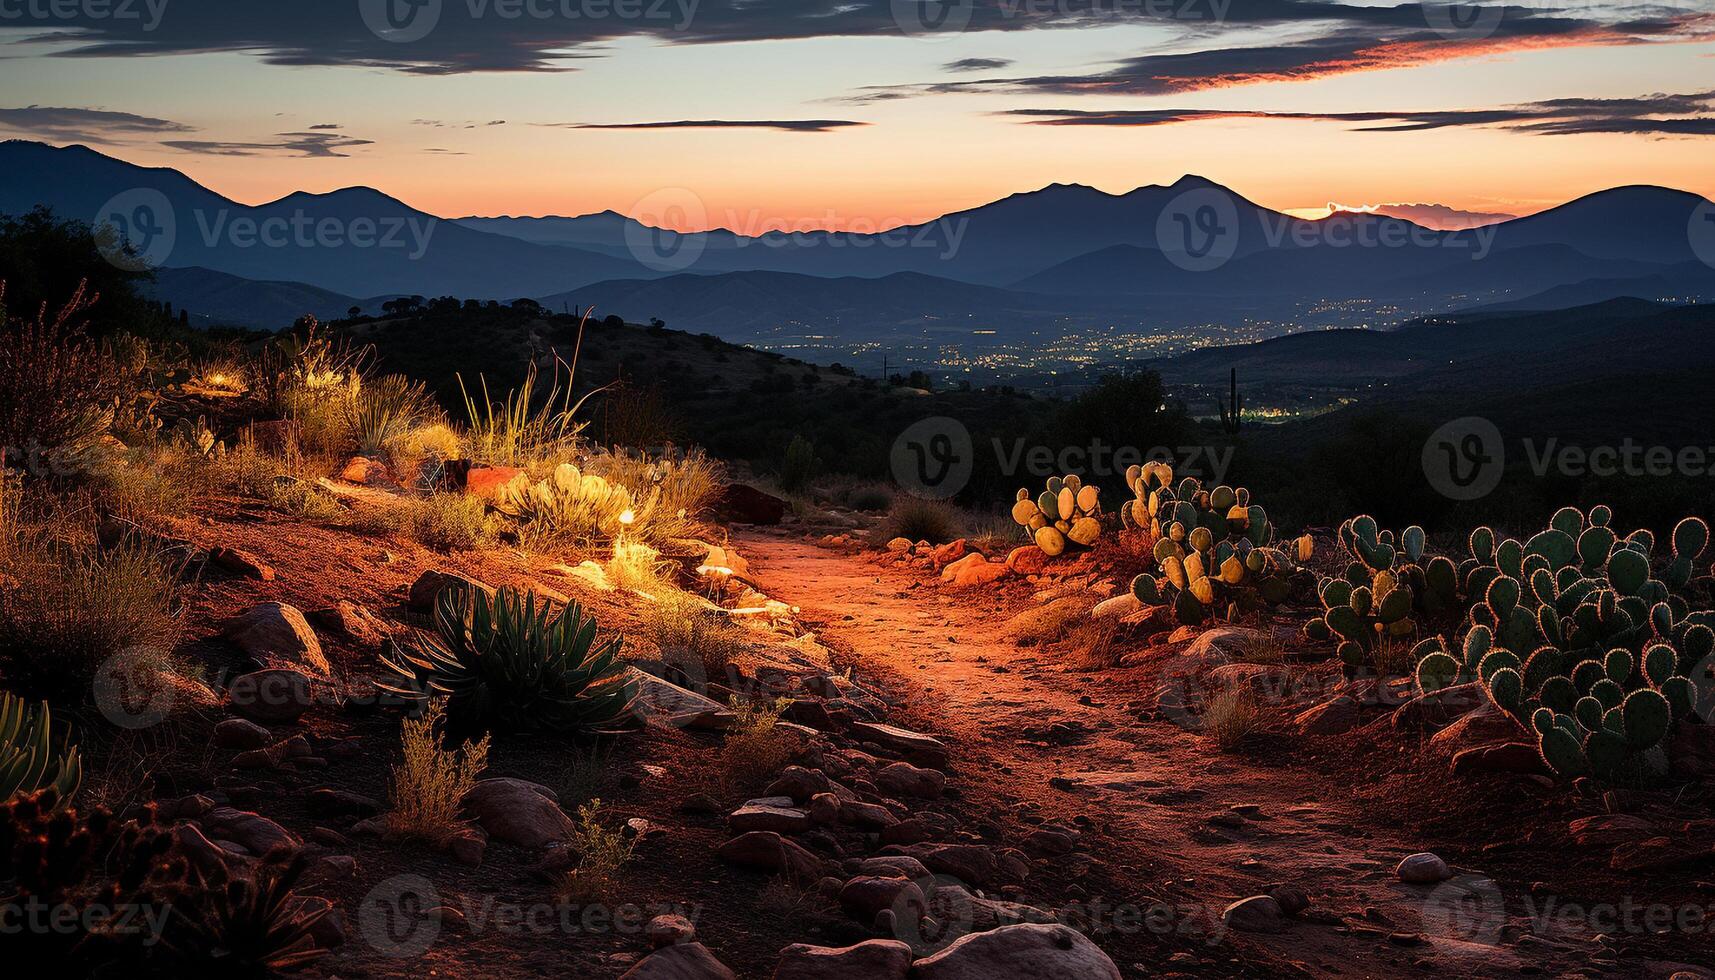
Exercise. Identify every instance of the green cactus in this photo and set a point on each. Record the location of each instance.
(29, 758)
(1067, 514)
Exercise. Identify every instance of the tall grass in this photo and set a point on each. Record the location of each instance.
(916, 519)
(671, 495)
(523, 428)
(429, 784)
(381, 415)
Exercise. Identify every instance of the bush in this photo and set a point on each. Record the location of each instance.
(601, 853)
(691, 632)
(670, 495)
(755, 750)
(917, 519)
(1230, 715)
(449, 522)
(570, 505)
(30, 760)
(799, 465)
(869, 497)
(511, 662)
(430, 784)
(57, 388)
(381, 415)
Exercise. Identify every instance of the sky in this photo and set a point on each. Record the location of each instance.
(865, 114)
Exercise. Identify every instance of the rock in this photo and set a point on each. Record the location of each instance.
(1026, 951)
(1291, 898)
(274, 634)
(363, 470)
(692, 961)
(430, 583)
(905, 779)
(893, 866)
(825, 808)
(1506, 757)
(1118, 607)
(974, 570)
(1481, 727)
(518, 811)
(798, 783)
(241, 563)
(1332, 717)
(868, 816)
(328, 801)
(770, 852)
(354, 622)
(1438, 708)
(255, 833)
(899, 545)
(237, 733)
(273, 695)
(864, 896)
(1027, 560)
(699, 803)
(669, 930)
(973, 864)
(1259, 913)
(1052, 841)
(912, 745)
(743, 504)
(774, 813)
(1424, 869)
(467, 846)
(199, 850)
(1609, 829)
(951, 552)
(487, 481)
(878, 959)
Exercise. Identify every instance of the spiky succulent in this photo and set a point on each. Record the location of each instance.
(29, 759)
(1386, 591)
(1066, 514)
(514, 662)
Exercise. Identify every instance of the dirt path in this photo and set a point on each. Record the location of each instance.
(1176, 820)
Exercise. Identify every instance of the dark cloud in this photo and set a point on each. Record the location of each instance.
(67, 125)
(468, 37)
(784, 125)
(290, 144)
(325, 126)
(1657, 115)
(978, 64)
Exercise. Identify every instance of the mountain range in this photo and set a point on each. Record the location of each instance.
(1157, 256)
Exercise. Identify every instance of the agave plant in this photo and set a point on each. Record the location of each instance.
(510, 661)
(28, 759)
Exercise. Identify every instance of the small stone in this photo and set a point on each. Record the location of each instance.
(1424, 869)
(669, 930)
(1259, 913)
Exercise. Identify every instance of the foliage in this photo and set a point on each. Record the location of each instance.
(57, 388)
(1066, 513)
(756, 749)
(1230, 715)
(29, 759)
(381, 415)
(449, 522)
(689, 630)
(601, 854)
(511, 662)
(1213, 548)
(799, 464)
(1386, 593)
(522, 428)
(671, 493)
(429, 785)
(918, 519)
(570, 505)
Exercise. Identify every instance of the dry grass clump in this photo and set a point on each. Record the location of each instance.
(527, 426)
(1230, 715)
(756, 749)
(671, 493)
(689, 631)
(1093, 645)
(916, 519)
(638, 567)
(601, 854)
(381, 413)
(305, 501)
(449, 522)
(57, 386)
(1050, 622)
(65, 611)
(430, 783)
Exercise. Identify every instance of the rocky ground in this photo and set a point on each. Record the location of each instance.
(997, 770)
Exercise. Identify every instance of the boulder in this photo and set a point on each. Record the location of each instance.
(430, 583)
(1037, 952)
(1438, 708)
(878, 959)
(487, 481)
(863, 897)
(241, 563)
(739, 503)
(237, 733)
(1259, 913)
(899, 546)
(1485, 726)
(1027, 560)
(903, 779)
(669, 930)
(518, 811)
(1335, 716)
(354, 622)
(1423, 869)
(1517, 757)
(911, 745)
(769, 851)
(951, 552)
(1118, 607)
(363, 470)
(276, 694)
(776, 813)
(973, 864)
(255, 833)
(1226, 644)
(798, 783)
(974, 570)
(691, 961)
(274, 634)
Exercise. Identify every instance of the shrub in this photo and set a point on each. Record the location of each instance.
(430, 784)
(921, 520)
(799, 465)
(449, 522)
(68, 612)
(56, 385)
(638, 567)
(691, 632)
(29, 759)
(1230, 715)
(601, 853)
(569, 505)
(517, 431)
(305, 501)
(755, 750)
(383, 412)
(869, 497)
(670, 494)
(511, 662)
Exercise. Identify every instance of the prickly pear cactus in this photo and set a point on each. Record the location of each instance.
(1066, 514)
